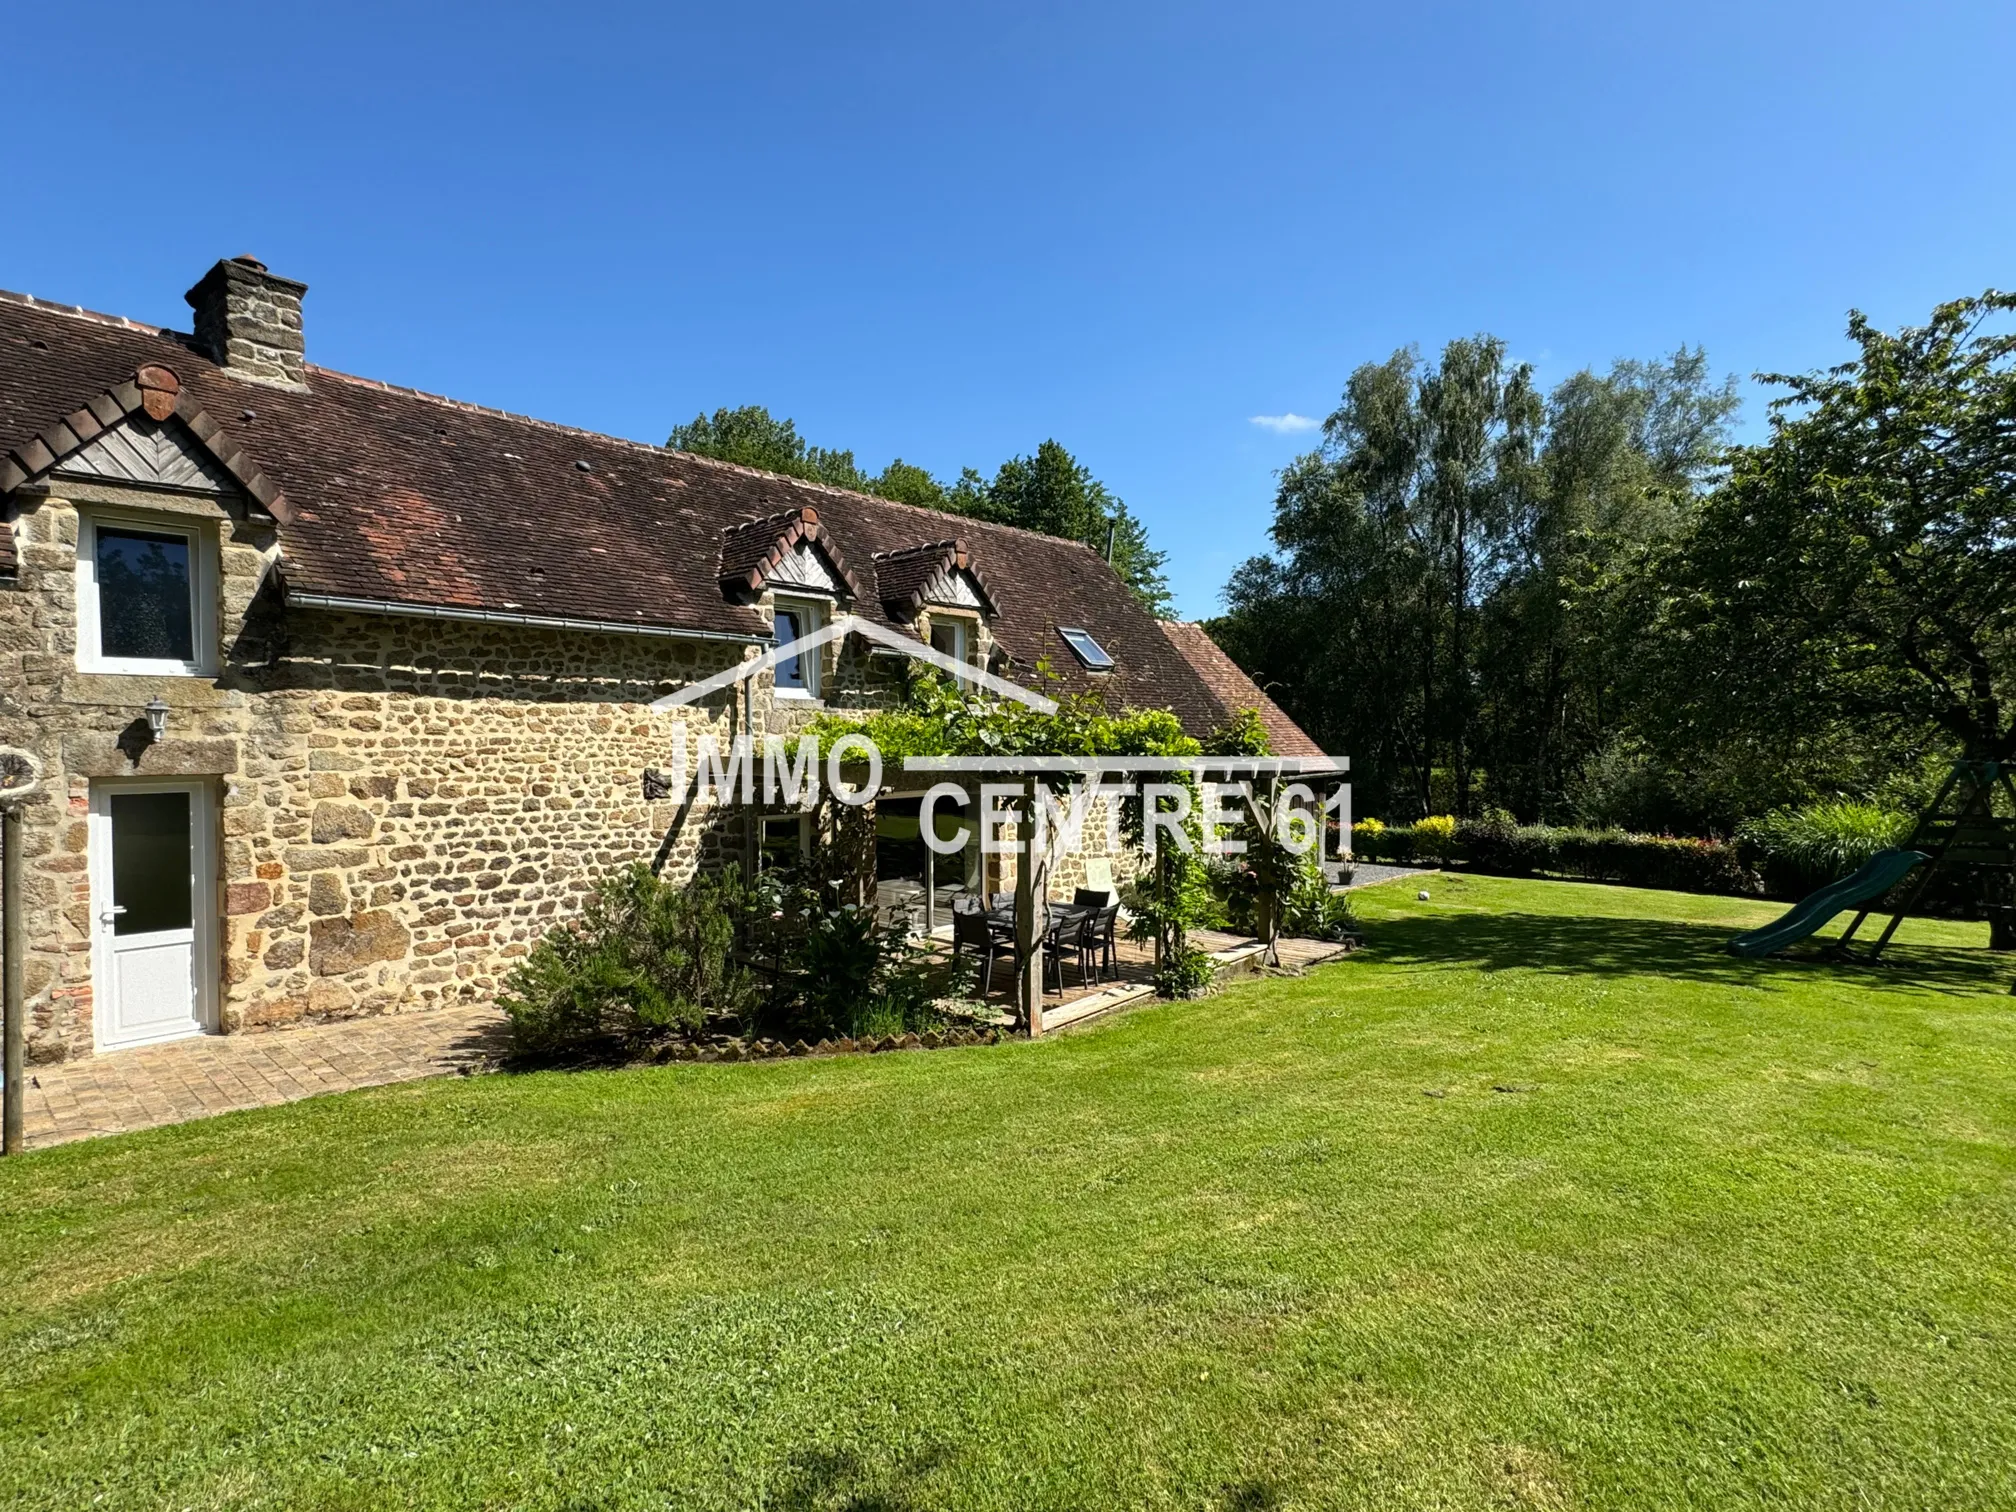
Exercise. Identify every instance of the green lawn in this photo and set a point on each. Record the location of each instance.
(1539, 1201)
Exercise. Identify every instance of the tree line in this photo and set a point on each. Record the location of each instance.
(1586, 605)
(1048, 490)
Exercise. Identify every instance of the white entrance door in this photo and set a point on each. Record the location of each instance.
(153, 907)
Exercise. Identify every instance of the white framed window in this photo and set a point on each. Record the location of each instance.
(797, 676)
(785, 840)
(953, 637)
(146, 595)
(948, 637)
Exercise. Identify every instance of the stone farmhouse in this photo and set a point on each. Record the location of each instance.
(342, 691)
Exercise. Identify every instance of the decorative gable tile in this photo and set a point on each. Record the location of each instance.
(149, 453)
(151, 397)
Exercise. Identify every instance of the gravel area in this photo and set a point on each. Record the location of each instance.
(1371, 874)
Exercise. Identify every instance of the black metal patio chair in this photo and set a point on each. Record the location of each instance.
(1098, 945)
(1066, 936)
(973, 928)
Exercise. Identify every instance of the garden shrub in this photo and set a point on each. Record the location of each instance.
(1393, 845)
(1312, 911)
(1184, 972)
(857, 976)
(646, 956)
(1164, 904)
(1491, 843)
(1396, 847)
(1800, 849)
(1435, 838)
(642, 955)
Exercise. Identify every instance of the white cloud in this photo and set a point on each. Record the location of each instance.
(1286, 425)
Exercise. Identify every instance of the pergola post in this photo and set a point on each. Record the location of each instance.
(1266, 813)
(1032, 913)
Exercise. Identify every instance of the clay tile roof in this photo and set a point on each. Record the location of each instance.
(398, 497)
(901, 577)
(751, 550)
(1234, 690)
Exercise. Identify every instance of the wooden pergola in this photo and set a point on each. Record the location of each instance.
(1261, 779)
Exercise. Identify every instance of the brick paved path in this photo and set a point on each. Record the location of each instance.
(213, 1073)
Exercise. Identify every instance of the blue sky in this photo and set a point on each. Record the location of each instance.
(947, 232)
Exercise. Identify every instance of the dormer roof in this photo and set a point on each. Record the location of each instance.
(93, 439)
(937, 572)
(788, 549)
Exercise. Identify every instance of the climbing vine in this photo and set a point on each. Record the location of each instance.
(1173, 895)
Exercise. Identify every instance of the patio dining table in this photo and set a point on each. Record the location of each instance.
(1059, 912)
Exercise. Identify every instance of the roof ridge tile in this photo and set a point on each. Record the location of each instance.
(78, 312)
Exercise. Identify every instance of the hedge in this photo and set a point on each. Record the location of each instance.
(1668, 861)
(1431, 841)
(1506, 849)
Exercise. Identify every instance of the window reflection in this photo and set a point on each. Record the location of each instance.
(151, 881)
(790, 673)
(143, 596)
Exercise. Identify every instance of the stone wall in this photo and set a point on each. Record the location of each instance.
(404, 805)
(437, 795)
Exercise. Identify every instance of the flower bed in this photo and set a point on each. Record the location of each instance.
(731, 1048)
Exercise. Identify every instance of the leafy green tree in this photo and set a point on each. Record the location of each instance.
(1441, 599)
(753, 437)
(1138, 564)
(1623, 463)
(1856, 573)
(1423, 470)
(1056, 494)
(907, 483)
(1679, 415)
(1334, 625)
(1050, 491)
(1476, 422)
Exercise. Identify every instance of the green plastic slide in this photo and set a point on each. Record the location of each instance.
(1878, 875)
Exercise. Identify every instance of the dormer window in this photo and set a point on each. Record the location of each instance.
(936, 575)
(796, 676)
(949, 637)
(143, 596)
(1086, 649)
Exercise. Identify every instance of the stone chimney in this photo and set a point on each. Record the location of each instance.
(248, 321)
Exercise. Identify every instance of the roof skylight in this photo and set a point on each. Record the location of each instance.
(1086, 649)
